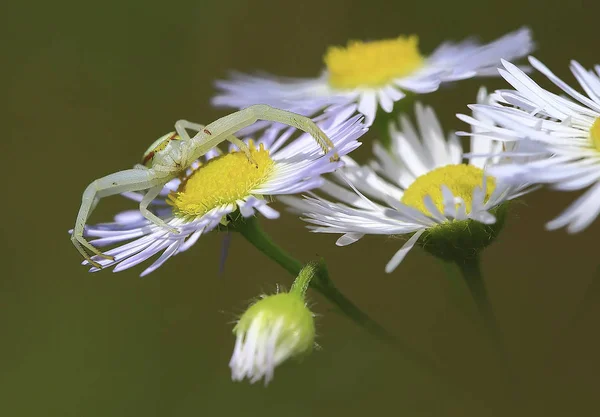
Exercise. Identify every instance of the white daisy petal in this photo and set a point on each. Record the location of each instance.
(582, 181)
(385, 101)
(393, 93)
(588, 208)
(580, 213)
(563, 86)
(433, 210)
(449, 203)
(403, 251)
(433, 136)
(461, 212)
(348, 239)
(455, 150)
(368, 106)
(483, 217)
(267, 211)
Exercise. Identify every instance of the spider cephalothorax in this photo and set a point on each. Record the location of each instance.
(167, 145)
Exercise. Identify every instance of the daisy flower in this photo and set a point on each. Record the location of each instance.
(567, 127)
(373, 74)
(219, 185)
(421, 188)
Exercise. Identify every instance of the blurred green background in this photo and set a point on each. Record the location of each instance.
(88, 86)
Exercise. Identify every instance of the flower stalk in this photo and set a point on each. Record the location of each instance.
(470, 269)
(321, 282)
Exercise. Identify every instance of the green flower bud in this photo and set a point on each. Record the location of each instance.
(273, 329)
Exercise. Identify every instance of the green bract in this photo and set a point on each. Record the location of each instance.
(458, 240)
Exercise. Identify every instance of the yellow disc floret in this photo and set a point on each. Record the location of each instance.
(595, 134)
(372, 64)
(222, 180)
(461, 179)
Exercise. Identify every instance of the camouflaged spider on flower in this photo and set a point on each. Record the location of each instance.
(171, 155)
(219, 185)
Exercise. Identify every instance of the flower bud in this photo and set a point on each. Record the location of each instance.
(273, 329)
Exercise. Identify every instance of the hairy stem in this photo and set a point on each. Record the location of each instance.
(322, 283)
(471, 272)
(306, 275)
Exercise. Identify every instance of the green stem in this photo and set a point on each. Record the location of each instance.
(324, 285)
(590, 298)
(253, 233)
(471, 272)
(304, 278)
(321, 282)
(458, 297)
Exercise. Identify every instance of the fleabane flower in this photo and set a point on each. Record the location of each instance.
(272, 330)
(421, 188)
(219, 185)
(566, 128)
(373, 75)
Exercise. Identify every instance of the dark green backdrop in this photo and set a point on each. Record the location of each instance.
(86, 88)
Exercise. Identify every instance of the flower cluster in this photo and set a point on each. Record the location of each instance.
(421, 183)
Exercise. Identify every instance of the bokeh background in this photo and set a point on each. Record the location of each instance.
(87, 87)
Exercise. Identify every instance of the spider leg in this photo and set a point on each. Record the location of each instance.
(223, 128)
(150, 195)
(182, 125)
(119, 182)
(264, 112)
(272, 114)
(242, 147)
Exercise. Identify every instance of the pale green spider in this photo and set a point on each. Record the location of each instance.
(169, 157)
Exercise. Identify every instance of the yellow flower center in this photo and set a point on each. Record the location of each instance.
(222, 180)
(595, 134)
(372, 64)
(460, 179)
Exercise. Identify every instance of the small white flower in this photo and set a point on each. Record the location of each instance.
(272, 330)
(220, 185)
(567, 129)
(374, 74)
(421, 188)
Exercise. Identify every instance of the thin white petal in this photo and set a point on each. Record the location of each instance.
(403, 251)
(368, 106)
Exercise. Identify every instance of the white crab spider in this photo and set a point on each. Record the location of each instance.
(169, 157)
